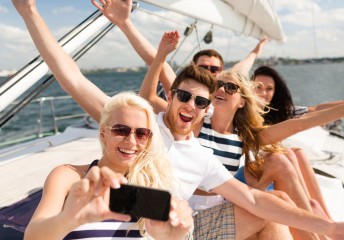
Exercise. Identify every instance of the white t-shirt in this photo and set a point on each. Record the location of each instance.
(194, 166)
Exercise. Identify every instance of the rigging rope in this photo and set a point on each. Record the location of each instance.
(64, 40)
(49, 79)
(187, 32)
(47, 82)
(158, 15)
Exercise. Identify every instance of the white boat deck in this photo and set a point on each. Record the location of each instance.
(24, 169)
(26, 174)
(327, 159)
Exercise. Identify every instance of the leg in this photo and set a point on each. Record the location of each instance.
(311, 181)
(249, 227)
(229, 222)
(246, 224)
(294, 161)
(278, 169)
(275, 231)
(215, 223)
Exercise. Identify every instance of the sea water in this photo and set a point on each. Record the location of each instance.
(310, 84)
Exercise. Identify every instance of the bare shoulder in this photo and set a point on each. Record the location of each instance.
(56, 188)
(62, 177)
(68, 172)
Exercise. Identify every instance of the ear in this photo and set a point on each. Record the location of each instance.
(242, 103)
(209, 109)
(169, 97)
(102, 136)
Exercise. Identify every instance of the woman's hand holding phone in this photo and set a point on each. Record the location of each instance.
(87, 200)
(179, 224)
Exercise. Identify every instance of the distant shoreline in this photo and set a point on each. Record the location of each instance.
(272, 61)
(260, 61)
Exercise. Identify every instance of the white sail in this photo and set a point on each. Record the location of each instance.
(254, 18)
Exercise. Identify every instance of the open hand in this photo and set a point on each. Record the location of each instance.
(117, 11)
(169, 42)
(24, 5)
(259, 47)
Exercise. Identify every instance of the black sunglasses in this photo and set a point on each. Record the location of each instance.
(229, 87)
(212, 69)
(185, 96)
(120, 131)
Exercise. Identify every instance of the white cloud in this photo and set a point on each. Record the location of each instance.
(65, 9)
(3, 9)
(17, 47)
(114, 50)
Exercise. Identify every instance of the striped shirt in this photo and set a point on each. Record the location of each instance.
(226, 147)
(109, 229)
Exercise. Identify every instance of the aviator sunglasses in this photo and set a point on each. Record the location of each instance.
(212, 69)
(229, 87)
(185, 96)
(120, 131)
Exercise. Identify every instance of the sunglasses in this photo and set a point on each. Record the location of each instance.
(185, 96)
(212, 69)
(229, 87)
(120, 131)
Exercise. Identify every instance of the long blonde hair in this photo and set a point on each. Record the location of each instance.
(249, 122)
(151, 168)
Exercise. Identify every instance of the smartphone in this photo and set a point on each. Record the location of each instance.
(138, 201)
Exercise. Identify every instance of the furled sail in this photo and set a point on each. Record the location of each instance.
(254, 18)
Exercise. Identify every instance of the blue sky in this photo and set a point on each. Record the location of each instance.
(17, 48)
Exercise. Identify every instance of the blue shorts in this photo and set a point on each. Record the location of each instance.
(241, 177)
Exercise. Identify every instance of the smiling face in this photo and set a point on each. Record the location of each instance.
(226, 102)
(182, 118)
(120, 152)
(265, 88)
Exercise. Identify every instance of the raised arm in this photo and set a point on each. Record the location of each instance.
(246, 64)
(118, 12)
(167, 44)
(282, 130)
(324, 105)
(65, 70)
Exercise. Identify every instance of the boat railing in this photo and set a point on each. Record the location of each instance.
(50, 101)
(54, 118)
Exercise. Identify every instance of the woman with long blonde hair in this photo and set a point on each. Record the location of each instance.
(75, 201)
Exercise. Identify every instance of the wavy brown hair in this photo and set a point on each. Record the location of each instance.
(208, 53)
(249, 122)
(281, 106)
(200, 75)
